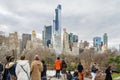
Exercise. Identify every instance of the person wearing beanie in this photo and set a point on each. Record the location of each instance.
(36, 68)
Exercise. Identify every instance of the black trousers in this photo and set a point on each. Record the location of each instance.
(58, 74)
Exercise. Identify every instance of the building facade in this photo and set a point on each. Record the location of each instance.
(97, 43)
(105, 40)
(2, 39)
(25, 38)
(47, 36)
(66, 48)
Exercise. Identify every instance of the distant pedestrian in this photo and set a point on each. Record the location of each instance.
(23, 69)
(93, 71)
(57, 67)
(69, 75)
(75, 75)
(36, 68)
(63, 70)
(43, 74)
(1, 70)
(80, 71)
(108, 72)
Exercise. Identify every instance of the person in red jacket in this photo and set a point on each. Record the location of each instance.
(57, 67)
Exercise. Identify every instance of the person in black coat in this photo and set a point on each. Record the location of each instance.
(108, 72)
(63, 70)
(75, 75)
(69, 76)
(43, 74)
(80, 71)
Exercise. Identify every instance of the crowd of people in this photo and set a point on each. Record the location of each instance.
(79, 73)
(23, 70)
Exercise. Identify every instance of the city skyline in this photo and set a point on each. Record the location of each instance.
(84, 18)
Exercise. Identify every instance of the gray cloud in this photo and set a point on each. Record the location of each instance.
(86, 18)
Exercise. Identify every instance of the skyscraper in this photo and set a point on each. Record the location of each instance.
(71, 37)
(47, 35)
(33, 36)
(97, 43)
(105, 40)
(57, 30)
(71, 41)
(25, 38)
(13, 40)
(66, 48)
(58, 19)
(75, 38)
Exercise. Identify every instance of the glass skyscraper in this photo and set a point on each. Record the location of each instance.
(58, 18)
(47, 35)
(75, 38)
(97, 43)
(57, 30)
(105, 40)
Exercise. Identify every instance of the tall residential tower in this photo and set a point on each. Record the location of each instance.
(97, 43)
(57, 30)
(105, 40)
(47, 35)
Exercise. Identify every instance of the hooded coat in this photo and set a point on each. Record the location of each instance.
(9, 72)
(36, 69)
(23, 70)
(108, 74)
(57, 65)
(63, 67)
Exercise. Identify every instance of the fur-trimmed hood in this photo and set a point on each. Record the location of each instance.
(9, 65)
(22, 62)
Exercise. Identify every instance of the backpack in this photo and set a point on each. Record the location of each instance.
(12, 73)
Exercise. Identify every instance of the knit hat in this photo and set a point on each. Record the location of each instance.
(36, 57)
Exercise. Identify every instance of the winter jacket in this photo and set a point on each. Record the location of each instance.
(23, 70)
(94, 69)
(57, 65)
(43, 74)
(80, 68)
(36, 69)
(63, 68)
(108, 74)
(9, 72)
(69, 76)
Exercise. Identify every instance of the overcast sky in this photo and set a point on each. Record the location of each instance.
(86, 18)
